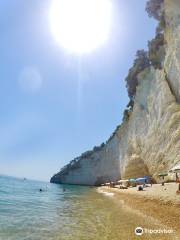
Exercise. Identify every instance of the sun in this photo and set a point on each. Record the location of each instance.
(81, 26)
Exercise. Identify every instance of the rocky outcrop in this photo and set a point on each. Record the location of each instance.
(148, 141)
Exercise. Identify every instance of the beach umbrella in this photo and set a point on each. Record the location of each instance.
(175, 169)
(123, 180)
(132, 180)
(141, 181)
(162, 174)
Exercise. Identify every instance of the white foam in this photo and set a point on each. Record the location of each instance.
(109, 194)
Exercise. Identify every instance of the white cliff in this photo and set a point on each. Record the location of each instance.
(148, 142)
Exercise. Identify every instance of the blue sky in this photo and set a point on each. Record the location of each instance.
(46, 124)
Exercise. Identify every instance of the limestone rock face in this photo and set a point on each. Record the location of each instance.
(149, 141)
(172, 61)
(93, 168)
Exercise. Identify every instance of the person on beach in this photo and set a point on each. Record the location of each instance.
(151, 182)
(140, 188)
(178, 181)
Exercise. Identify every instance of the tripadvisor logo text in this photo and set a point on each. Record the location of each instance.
(140, 231)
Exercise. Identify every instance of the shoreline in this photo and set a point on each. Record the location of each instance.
(152, 203)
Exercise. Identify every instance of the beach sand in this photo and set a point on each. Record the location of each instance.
(157, 202)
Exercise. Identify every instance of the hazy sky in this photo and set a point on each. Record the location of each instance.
(55, 105)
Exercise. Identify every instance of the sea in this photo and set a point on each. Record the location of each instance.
(65, 212)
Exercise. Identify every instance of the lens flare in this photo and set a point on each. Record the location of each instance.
(81, 26)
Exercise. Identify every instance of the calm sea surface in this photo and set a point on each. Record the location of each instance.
(79, 213)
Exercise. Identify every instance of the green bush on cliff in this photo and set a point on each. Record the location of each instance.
(102, 145)
(154, 8)
(140, 63)
(97, 148)
(155, 55)
(87, 154)
(114, 133)
(157, 50)
(126, 115)
(130, 105)
(162, 24)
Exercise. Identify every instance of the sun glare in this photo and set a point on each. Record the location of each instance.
(81, 26)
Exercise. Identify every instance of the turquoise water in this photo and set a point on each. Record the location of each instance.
(27, 213)
(79, 213)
